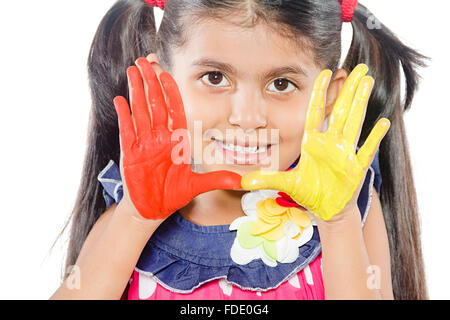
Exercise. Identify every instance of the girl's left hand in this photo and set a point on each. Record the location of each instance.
(329, 175)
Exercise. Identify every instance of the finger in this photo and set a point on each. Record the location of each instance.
(355, 120)
(154, 93)
(138, 101)
(261, 179)
(174, 101)
(343, 103)
(126, 126)
(367, 152)
(315, 114)
(226, 180)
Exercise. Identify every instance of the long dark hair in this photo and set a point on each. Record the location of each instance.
(128, 31)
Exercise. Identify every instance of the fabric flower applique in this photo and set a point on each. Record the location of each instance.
(273, 229)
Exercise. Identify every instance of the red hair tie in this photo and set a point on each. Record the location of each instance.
(348, 9)
(156, 3)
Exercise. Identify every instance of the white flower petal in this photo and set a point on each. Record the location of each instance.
(282, 248)
(291, 229)
(305, 236)
(287, 248)
(251, 212)
(242, 256)
(238, 222)
(268, 193)
(250, 199)
(291, 254)
(265, 258)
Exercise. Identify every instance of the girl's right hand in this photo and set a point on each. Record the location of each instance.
(157, 186)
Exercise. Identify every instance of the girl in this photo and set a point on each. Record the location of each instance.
(183, 233)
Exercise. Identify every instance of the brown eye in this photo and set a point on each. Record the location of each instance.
(280, 85)
(215, 79)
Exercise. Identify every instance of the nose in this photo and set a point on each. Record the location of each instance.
(248, 110)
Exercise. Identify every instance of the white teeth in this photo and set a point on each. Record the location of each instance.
(241, 149)
(253, 149)
(262, 149)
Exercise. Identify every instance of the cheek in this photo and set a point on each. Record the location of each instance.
(204, 117)
(201, 108)
(290, 120)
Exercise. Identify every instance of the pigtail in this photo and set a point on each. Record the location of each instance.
(126, 33)
(375, 45)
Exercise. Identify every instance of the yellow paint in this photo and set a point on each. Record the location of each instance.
(329, 171)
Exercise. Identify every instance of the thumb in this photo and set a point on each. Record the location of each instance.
(263, 179)
(204, 182)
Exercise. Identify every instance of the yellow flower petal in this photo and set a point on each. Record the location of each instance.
(259, 227)
(259, 204)
(275, 234)
(273, 207)
(278, 232)
(266, 216)
(299, 217)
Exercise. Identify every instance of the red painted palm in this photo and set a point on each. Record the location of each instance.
(158, 184)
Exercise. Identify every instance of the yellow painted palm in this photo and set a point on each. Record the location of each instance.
(329, 173)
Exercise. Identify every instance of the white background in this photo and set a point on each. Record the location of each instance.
(45, 104)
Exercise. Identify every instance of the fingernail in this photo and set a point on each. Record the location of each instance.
(367, 86)
(385, 122)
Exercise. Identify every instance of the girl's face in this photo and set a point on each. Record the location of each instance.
(246, 80)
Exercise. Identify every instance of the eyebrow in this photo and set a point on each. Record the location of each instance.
(228, 68)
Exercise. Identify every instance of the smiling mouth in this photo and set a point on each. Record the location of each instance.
(257, 149)
(240, 153)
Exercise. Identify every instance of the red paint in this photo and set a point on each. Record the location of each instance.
(156, 185)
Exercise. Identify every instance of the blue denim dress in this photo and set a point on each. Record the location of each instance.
(182, 256)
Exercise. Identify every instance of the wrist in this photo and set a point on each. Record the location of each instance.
(348, 218)
(126, 209)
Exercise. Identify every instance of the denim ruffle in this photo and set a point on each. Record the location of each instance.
(111, 181)
(182, 255)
